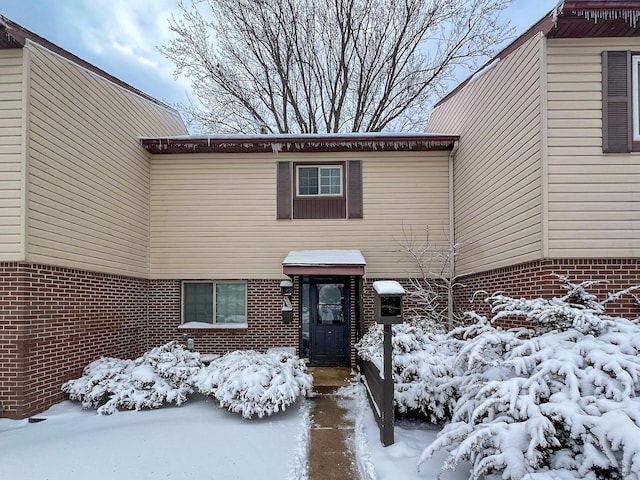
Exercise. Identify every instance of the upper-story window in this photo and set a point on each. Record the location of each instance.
(635, 96)
(620, 101)
(319, 190)
(319, 180)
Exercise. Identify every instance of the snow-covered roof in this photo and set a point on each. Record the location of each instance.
(388, 287)
(331, 262)
(319, 142)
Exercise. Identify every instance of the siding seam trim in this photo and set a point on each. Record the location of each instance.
(25, 154)
(544, 147)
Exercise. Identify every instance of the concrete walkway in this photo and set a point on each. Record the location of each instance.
(330, 455)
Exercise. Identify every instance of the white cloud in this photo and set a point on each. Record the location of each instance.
(125, 35)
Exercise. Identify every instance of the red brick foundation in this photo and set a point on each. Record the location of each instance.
(54, 321)
(535, 279)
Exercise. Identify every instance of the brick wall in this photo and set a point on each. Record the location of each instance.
(264, 319)
(535, 279)
(54, 321)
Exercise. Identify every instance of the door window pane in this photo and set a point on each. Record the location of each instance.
(330, 303)
(305, 309)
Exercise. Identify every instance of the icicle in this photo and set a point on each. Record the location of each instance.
(631, 16)
(556, 12)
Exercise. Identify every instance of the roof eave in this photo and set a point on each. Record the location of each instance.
(299, 143)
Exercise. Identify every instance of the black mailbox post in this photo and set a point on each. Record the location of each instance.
(388, 304)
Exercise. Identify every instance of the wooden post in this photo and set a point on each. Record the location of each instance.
(386, 432)
(388, 304)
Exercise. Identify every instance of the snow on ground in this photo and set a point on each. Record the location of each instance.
(199, 441)
(397, 461)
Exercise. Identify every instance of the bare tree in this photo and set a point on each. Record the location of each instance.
(300, 66)
(436, 264)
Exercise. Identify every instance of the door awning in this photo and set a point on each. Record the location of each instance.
(324, 262)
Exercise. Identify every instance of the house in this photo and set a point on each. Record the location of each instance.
(547, 171)
(120, 231)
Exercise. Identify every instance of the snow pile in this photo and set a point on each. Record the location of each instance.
(252, 383)
(162, 375)
(562, 396)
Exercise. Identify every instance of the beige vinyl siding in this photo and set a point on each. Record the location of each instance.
(89, 176)
(214, 216)
(11, 155)
(497, 169)
(594, 198)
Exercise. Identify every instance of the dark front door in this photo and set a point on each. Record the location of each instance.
(329, 321)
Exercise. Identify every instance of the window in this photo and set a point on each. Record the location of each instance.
(219, 303)
(319, 190)
(314, 180)
(620, 101)
(635, 102)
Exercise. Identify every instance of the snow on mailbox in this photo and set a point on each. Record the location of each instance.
(388, 304)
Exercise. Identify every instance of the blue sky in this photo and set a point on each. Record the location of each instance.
(121, 36)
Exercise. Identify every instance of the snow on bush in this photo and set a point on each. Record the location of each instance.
(422, 367)
(162, 375)
(561, 397)
(252, 383)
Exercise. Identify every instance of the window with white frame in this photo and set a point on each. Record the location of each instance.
(220, 303)
(635, 96)
(319, 180)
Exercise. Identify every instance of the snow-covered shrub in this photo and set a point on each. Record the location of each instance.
(252, 383)
(422, 367)
(162, 375)
(563, 396)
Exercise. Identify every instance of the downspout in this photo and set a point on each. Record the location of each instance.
(452, 237)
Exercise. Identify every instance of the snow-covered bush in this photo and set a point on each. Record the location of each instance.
(252, 383)
(422, 367)
(162, 375)
(563, 396)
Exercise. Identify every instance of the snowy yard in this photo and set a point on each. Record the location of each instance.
(197, 440)
(557, 400)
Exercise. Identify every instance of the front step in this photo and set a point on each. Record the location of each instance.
(329, 379)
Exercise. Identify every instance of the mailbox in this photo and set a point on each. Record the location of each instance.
(286, 288)
(388, 301)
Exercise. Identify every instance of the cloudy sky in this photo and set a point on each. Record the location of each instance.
(121, 36)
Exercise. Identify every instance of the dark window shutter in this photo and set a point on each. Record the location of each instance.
(354, 189)
(284, 184)
(616, 101)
